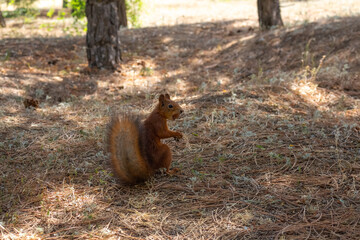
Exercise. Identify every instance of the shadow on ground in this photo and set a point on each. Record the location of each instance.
(258, 160)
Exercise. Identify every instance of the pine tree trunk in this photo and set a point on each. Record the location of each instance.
(2, 20)
(102, 37)
(269, 13)
(122, 13)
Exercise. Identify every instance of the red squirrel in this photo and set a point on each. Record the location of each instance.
(135, 147)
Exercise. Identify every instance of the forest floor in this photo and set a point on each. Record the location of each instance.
(271, 125)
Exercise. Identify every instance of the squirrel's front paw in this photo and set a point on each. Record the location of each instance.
(173, 171)
(178, 136)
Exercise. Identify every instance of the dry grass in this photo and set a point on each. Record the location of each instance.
(271, 148)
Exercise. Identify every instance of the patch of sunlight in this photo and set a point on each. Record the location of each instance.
(12, 91)
(12, 120)
(224, 82)
(21, 234)
(247, 37)
(59, 205)
(181, 84)
(174, 12)
(135, 83)
(167, 40)
(311, 93)
(304, 11)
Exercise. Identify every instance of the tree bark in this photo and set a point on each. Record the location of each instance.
(269, 13)
(2, 20)
(122, 13)
(102, 37)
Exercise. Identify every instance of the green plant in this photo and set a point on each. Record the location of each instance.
(7, 55)
(133, 9)
(19, 3)
(77, 9)
(21, 12)
(146, 71)
(23, 8)
(48, 26)
(50, 13)
(61, 15)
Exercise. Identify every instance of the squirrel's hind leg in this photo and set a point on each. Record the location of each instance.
(166, 159)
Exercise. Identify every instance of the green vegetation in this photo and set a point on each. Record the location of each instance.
(133, 8)
(24, 9)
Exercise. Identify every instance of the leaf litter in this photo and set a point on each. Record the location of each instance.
(271, 134)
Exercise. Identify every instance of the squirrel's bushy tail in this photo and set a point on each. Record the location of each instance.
(124, 147)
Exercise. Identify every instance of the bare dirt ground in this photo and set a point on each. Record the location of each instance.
(271, 148)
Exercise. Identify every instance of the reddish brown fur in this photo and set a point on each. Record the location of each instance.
(135, 148)
(155, 128)
(126, 157)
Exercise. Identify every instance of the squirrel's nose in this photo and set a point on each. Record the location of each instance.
(181, 111)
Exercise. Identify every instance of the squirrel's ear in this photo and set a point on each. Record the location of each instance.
(167, 96)
(161, 99)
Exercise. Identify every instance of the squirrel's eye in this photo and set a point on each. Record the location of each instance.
(170, 106)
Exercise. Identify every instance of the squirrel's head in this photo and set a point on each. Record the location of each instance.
(168, 108)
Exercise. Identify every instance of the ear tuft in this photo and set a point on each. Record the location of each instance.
(161, 99)
(167, 96)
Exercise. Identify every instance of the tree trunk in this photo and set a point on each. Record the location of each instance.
(122, 13)
(269, 13)
(2, 20)
(102, 38)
